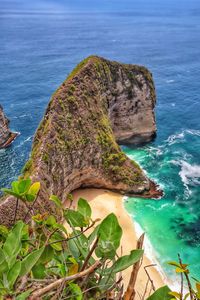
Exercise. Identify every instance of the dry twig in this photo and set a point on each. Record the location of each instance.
(149, 277)
(38, 293)
(130, 292)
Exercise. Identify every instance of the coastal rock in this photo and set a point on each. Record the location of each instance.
(6, 136)
(75, 145)
(131, 106)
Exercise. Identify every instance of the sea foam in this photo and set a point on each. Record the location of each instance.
(190, 174)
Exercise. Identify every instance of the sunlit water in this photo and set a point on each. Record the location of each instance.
(40, 43)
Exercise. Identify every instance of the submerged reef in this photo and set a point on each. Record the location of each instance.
(100, 104)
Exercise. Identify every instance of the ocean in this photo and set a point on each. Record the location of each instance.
(42, 41)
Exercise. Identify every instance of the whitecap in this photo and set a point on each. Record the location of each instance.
(170, 81)
(190, 174)
(172, 139)
(193, 132)
(164, 205)
(28, 139)
(156, 150)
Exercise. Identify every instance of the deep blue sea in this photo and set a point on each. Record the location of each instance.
(42, 41)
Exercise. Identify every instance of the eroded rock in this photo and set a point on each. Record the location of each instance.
(75, 145)
(6, 136)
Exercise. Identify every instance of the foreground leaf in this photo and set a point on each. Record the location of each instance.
(74, 218)
(54, 238)
(13, 274)
(174, 263)
(12, 244)
(126, 261)
(34, 189)
(161, 294)
(56, 200)
(175, 294)
(84, 209)
(23, 185)
(39, 271)
(10, 192)
(47, 255)
(24, 295)
(4, 231)
(76, 293)
(3, 262)
(109, 234)
(30, 260)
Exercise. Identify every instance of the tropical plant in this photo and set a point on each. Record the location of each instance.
(44, 259)
(164, 293)
(71, 256)
(23, 190)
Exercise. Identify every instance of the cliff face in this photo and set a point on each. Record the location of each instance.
(131, 104)
(75, 145)
(6, 136)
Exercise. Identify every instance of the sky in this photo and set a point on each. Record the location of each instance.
(58, 6)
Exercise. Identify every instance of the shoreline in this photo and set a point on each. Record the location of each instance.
(115, 203)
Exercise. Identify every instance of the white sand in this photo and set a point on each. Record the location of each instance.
(104, 202)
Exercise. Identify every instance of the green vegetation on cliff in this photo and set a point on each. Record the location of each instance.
(77, 128)
(99, 104)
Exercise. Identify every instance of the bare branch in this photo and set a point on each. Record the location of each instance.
(130, 292)
(187, 279)
(38, 293)
(145, 268)
(181, 292)
(146, 288)
(89, 254)
(73, 237)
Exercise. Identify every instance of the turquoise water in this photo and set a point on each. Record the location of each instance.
(41, 41)
(172, 224)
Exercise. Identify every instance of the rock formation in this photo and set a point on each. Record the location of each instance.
(101, 102)
(6, 136)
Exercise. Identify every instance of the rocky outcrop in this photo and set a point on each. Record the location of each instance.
(131, 106)
(75, 145)
(6, 136)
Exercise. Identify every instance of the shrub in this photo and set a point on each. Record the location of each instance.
(40, 258)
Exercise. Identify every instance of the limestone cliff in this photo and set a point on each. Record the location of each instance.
(6, 136)
(75, 145)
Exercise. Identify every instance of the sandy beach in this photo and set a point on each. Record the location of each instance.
(103, 202)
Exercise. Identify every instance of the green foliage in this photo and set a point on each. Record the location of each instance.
(46, 249)
(12, 263)
(84, 209)
(56, 200)
(24, 295)
(110, 234)
(126, 261)
(13, 244)
(165, 293)
(161, 294)
(23, 190)
(74, 218)
(30, 260)
(76, 293)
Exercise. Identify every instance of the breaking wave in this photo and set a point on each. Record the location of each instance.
(179, 137)
(190, 174)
